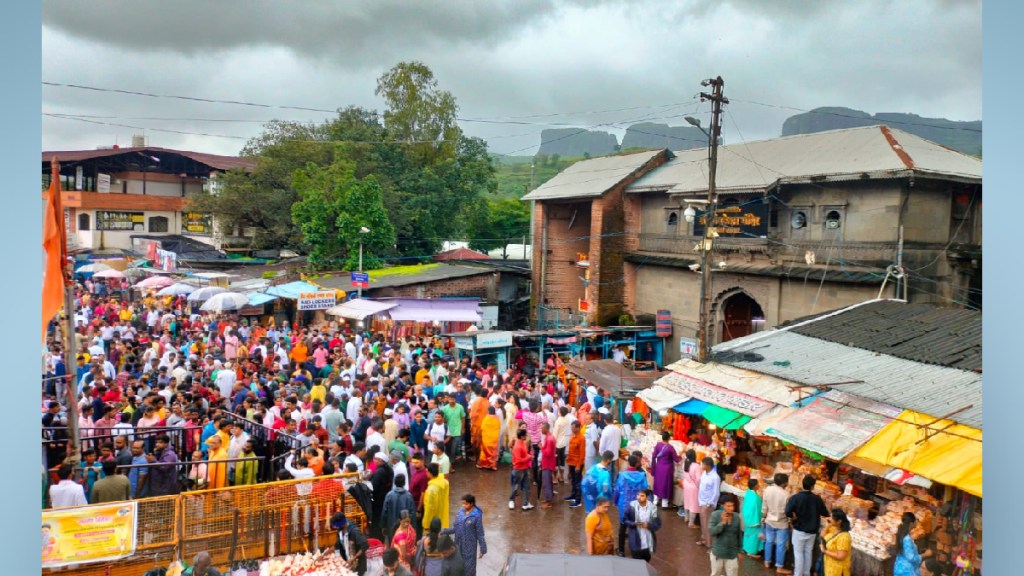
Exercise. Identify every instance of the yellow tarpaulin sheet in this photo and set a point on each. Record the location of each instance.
(951, 455)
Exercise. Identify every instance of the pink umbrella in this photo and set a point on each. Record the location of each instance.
(109, 274)
(155, 282)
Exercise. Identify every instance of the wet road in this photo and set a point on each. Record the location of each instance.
(560, 529)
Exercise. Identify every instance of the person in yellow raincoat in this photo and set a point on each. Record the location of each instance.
(490, 431)
(435, 499)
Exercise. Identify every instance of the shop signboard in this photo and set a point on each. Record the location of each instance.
(464, 342)
(663, 323)
(736, 401)
(89, 534)
(252, 310)
(687, 348)
(360, 280)
(317, 300)
(741, 221)
(110, 221)
(103, 182)
(198, 223)
(493, 340)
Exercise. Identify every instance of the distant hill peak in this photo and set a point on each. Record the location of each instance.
(961, 136)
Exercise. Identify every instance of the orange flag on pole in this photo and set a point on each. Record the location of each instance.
(55, 246)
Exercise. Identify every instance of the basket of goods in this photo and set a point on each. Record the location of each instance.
(307, 564)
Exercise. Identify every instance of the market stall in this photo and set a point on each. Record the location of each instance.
(485, 346)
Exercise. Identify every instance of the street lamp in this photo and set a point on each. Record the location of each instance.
(362, 230)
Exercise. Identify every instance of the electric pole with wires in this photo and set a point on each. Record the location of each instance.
(710, 213)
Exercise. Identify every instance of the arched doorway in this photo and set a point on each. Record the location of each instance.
(741, 316)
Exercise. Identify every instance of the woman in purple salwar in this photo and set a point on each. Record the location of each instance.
(663, 467)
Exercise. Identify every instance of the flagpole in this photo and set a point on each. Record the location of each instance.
(71, 393)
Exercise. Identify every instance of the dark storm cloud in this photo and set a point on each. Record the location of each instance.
(507, 59)
(370, 32)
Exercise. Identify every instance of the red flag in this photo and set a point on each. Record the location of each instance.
(55, 246)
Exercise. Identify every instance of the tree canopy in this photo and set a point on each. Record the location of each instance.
(409, 175)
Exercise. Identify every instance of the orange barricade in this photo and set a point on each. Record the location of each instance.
(236, 523)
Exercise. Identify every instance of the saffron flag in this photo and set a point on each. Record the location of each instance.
(54, 245)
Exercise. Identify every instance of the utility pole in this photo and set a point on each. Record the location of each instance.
(711, 213)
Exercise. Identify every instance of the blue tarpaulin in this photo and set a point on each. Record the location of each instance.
(292, 290)
(692, 407)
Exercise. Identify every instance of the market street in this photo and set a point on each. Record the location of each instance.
(560, 529)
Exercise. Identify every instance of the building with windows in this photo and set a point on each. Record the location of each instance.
(804, 224)
(112, 194)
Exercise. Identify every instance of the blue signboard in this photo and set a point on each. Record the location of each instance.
(360, 280)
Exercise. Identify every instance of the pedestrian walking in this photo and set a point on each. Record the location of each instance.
(468, 530)
(598, 527)
(663, 467)
(776, 523)
(805, 509)
(707, 497)
(726, 529)
(642, 523)
(522, 460)
(751, 511)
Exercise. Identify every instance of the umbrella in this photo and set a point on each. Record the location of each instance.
(205, 293)
(109, 274)
(211, 275)
(92, 268)
(225, 301)
(155, 282)
(176, 290)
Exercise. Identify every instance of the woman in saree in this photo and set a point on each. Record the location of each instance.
(490, 437)
(404, 540)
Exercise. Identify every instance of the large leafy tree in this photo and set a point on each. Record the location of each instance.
(333, 208)
(430, 176)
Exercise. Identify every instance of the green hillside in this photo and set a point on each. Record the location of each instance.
(514, 172)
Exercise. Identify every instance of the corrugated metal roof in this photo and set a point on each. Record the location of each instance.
(592, 178)
(343, 281)
(770, 388)
(934, 390)
(836, 155)
(921, 332)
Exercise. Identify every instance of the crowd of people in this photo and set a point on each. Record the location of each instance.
(171, 399)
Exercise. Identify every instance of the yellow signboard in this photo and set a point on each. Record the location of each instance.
(88, 534)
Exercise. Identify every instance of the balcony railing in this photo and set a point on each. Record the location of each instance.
(785, 249)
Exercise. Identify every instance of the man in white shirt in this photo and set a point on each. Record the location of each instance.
(225, 380)
(67, 492)
(356, 457)
(562, 431)
(352, 410)
(299, 471)
(593, 437)
(375, 436)
(237, 443)
(611, 441)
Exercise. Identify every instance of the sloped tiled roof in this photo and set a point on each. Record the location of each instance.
(873, 152)
(215, 161)
(592, 178)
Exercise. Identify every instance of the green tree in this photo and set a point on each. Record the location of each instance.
(498, 223)
(333, 207)
(418, 112)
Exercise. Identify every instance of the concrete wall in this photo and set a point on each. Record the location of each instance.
(562, 286)
(870, 211)
(93, 238)
(678, 290)
(484, 286)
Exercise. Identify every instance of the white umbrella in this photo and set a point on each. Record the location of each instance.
(93, 268)
(109, 274)
(176, 290)
(155, 282)
(206, 293)
(225, 302)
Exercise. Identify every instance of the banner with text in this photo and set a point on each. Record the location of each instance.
(89, 534)
(317, 300)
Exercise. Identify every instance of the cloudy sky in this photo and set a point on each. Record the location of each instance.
(516, 67)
